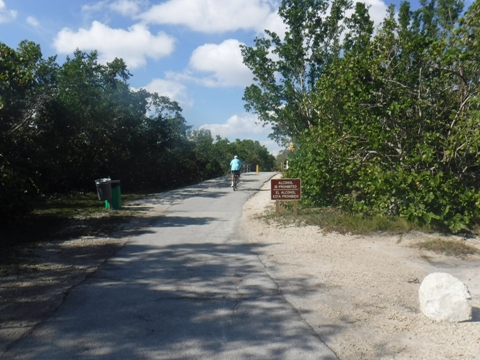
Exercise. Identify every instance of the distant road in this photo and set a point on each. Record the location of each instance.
(184, 288)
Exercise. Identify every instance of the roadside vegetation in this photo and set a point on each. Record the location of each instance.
(334, 220)
(62, 126)
(447, 247)
(384, 122)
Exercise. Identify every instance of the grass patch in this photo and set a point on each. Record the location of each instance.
(447, 247)
(66, 217)
(334, 220)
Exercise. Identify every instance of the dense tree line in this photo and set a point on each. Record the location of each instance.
(64, 125)
(385, 121)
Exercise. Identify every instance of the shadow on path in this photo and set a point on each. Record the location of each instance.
(214, 299)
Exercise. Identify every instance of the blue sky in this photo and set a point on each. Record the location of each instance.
(185, 49)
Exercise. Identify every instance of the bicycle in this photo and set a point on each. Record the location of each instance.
(236, 179)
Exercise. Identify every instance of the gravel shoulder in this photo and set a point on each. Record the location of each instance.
(360, 293)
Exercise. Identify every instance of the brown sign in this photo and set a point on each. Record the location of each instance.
(286, 189)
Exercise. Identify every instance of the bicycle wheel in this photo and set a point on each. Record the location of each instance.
(235, 183)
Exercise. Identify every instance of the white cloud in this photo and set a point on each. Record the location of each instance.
(272, 146)
(237, 126)
(377, 11)
(133, 45)
(172, 89)
(126, 7)
(33, 22)
(275, 24)
(222, 65)
(218, 16)
(224, 62)
(211, 16)
(6, 15)
(244, 126)
(99, 6)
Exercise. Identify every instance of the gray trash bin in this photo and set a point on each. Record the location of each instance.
(104, 189)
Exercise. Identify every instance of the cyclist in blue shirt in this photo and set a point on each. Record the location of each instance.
(235, 165)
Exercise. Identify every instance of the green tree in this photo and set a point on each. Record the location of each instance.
(253, 153)
(91, 121)
(63, 126)
(25, 89)
(209, 159)
(167, 152)
(286, 70)
(397, 128)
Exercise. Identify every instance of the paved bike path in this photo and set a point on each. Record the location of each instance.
(186, 287)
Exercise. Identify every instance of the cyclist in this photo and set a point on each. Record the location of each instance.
(235, 165)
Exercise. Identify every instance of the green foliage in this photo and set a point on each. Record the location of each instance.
(253, 153)
(281, 95)
(18, 106)
(328, 220)
(215, 155)
(63, 126)
(394, 125)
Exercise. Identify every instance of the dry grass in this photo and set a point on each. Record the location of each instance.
(334, 220)
(448, 247)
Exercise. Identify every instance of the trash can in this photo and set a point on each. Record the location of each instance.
(104, 189)
(116, 201)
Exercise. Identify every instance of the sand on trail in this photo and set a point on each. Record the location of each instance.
(360, 293)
